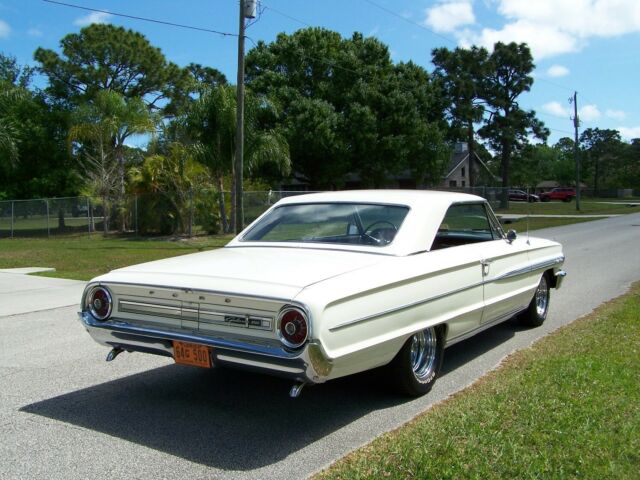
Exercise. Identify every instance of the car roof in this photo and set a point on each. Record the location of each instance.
(427, 209)
(397, 197)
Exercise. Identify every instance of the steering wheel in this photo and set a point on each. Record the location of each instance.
(369, 231)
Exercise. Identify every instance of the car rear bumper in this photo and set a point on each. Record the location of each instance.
(309, 365)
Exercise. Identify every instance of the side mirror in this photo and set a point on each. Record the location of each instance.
(511, 236)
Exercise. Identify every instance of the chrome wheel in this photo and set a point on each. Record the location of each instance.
(542, 297)
(423, 353)
(536, 312)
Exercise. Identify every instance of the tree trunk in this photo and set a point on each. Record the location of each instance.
(472, 156)
(105, 215)
(596, 177)
(61, 224)
(504, 165)
(221, 206)
(121, 192)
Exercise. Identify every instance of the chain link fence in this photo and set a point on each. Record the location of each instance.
(193, 213)
(190, 213)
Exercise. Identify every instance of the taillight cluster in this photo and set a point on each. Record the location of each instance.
(293, 326)
(99, 303)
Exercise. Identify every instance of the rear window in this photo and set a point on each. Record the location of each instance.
(336, 223)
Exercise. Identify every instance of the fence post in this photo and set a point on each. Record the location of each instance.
(12, 202)
(88, 215)
(190, 212)
(135, 212)
(46, 202)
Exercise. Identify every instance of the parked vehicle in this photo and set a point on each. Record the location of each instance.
(327, 285)
(563, 194)
(522, 196)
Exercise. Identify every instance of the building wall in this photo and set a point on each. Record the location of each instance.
(459, 177)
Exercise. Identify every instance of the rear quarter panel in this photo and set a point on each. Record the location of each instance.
(363, 318)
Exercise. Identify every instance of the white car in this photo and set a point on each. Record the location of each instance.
(331, 284)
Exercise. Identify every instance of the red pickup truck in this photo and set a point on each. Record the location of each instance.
(564, 194)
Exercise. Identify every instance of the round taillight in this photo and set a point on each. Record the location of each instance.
(293, 327)
(100, 303)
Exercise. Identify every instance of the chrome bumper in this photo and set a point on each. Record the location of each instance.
(310, 365)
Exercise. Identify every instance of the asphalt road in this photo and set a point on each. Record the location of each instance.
(65, 413)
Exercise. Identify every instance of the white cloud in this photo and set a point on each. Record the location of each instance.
(34, 32)
(550, 27)
(544, 41)
(5, 29)
(589, 113)
(582, 18)
(449, 15)
(93, 17)
(556, 109)
(558, 71)
(615, 114)
(629, 133)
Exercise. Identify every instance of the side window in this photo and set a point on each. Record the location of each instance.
(463, 224)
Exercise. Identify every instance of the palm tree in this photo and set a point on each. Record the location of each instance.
(8, 132)
(99, 131)
(210, 124)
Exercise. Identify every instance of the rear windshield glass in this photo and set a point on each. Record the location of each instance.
(339, 223)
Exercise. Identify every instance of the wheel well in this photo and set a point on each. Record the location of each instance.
(551, 278)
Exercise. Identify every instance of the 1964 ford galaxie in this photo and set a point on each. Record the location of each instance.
(331, 284)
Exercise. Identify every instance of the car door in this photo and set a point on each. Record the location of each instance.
(507, 282)
(457, 249)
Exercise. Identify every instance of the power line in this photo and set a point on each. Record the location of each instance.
(144, 19)
(302, 22)
(554, 84)
(408, 20)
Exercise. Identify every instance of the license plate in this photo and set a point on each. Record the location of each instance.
(191, 354)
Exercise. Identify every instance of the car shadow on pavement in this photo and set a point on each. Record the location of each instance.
(221, 418)
(234, 420)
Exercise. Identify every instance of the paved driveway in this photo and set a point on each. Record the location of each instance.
(21, 293)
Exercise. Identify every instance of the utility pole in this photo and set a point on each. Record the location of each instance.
(576, 149)
(239, 160)
(247, 10)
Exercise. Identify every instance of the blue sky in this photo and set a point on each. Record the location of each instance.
(592, 46)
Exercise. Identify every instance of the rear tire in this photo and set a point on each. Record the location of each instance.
(415, 368)
(536, 312)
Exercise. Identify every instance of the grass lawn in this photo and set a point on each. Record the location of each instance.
(568, 407)
(83, 257)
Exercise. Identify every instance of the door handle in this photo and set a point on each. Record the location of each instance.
(485, 267)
